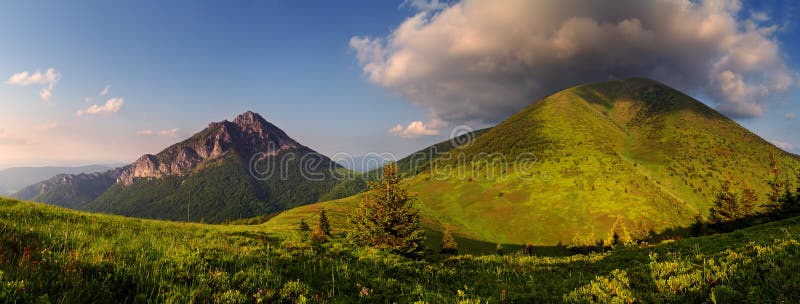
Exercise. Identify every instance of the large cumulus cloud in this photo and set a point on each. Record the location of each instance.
(485, 59)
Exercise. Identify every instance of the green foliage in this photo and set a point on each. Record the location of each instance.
(449, 244)
(303, 227)
(619, 233)
(615, 288)
(387, 218)
(730, 206)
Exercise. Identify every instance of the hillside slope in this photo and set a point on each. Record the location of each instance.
(634, 149)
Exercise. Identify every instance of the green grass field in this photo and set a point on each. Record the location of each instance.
(49, 254)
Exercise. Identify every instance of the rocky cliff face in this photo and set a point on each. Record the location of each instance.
(247, 135)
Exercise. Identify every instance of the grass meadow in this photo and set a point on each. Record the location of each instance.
(49, 254)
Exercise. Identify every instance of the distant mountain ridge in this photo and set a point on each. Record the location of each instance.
(164, 185)
(15, 178)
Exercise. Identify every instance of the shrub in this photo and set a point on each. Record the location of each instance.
(303, 227)
(295, 292)
(323, 223)
(449, 244)
(604, 289)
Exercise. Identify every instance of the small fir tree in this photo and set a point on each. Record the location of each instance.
(303, 227)
(449, 244)
(748, 202)
(726, 205)
(323, 223)
(386, 219)
(619, 233)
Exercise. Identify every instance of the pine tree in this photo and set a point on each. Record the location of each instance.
(318, 236)
(777, 191)
(386, 219)
(318, 239)
(748, 202)
(323, 223)
(449, 244)
(619, 233)
(726, 205)
(303, 227)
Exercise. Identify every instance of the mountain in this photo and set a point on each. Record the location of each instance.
(631, 149)
(229, 170)
(14, 179)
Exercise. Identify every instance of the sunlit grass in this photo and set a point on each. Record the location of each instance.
(57, 255)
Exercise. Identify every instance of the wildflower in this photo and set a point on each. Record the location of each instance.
(364, 292)
(260, 291)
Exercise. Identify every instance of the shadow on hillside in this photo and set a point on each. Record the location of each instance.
(658, 98)
(478, 247)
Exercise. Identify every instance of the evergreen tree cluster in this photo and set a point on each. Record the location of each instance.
(730, 206)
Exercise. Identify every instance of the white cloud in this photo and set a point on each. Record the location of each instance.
(25, 78)
(48, 125)
(425, 5)
(783, 145)
(486, 59)
(111, 106)
(48, 78)
(104, 92)
(171, 133)
(45, 94)
(759, 16)
(790, 116)
(417, 129)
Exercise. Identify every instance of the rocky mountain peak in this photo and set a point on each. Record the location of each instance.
(247, 135)
(250, 119)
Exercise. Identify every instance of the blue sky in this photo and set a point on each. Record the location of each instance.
(175, 66)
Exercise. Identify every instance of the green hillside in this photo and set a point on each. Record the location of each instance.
(634, 149)
(219, 191)
(50, 254)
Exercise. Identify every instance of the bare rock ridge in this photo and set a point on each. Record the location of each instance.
(249, 133)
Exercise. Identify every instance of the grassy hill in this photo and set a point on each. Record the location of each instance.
(50, 254)
(634, 149)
